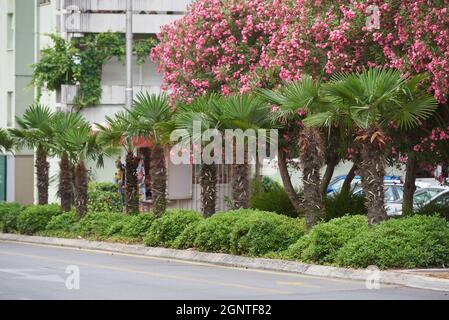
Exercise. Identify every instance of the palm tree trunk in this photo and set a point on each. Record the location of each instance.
(81, 189)
(311, 147)
(372, 168)
(131, 188)
(208, 180)
(42, 172)
(65, 183)
(346, 187)
(158, 173)
(331, 163)
(287, 182)
(409, 183)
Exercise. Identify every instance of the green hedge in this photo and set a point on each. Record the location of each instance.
(36, 218)
(62, 222)
(322, 243)
(165, 230)
(9, 212)
(102, 197)
(100, 224)
(243, 231)
(409, 242)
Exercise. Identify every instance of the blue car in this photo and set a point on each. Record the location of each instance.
(337, 182)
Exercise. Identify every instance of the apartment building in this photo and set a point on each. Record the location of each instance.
(31, 22)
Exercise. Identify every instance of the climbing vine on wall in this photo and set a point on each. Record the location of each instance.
(80, 61)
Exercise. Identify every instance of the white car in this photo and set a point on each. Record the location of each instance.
(434, 194)
(394, 193)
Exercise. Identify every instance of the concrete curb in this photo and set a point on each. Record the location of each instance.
(403, 277)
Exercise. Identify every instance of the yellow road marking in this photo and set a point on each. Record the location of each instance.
(148, 273)
(205, 264)
(295, 283)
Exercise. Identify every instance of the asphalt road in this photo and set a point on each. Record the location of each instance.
(29, 271)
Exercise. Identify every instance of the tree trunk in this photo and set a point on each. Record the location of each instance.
(158, 173)
(311, 155)
(81, 193)
(208, 180)
(65, 183)
(372, 168)
(42, 173)
(331, 163)
(131, 188)
(346, 187)
(287, 182)
(409, 183)
(240, 185)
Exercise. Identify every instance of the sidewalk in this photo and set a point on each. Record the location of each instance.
(409, 278)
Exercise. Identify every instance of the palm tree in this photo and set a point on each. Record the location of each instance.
(242, 111)
(149, 119)
(115, 133)
(82, 145)
(203, 111)
(62, 122)
(303, 94)
(34, 132)
(6, 142)
(367, 104)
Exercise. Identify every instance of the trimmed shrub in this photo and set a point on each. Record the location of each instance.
(100, 224)
(344, 203)
(258, 232)
(9, 213)
(187, 238)
(214, 233)
(409, 242)
(273, 198)
(137, 226)
(103, 197)
(166, 229)
(322, 243)
(62, 222)
(36, 218)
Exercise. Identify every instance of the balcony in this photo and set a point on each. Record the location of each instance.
(120, 5)
(111, 95)
(115, 22)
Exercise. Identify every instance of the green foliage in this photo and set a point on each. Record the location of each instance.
(9, 213)
(258, 232)
(103, 196)
(101, 224)
(213, 234)
(271, 196)
(36, 218)
(137, 226)
(322, 243)
(81, 61)
(164, 230)
(434, 208)
(187, 238)
(344, 203)
(409, 242)
(63, 222)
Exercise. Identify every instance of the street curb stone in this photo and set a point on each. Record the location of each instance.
(403, 277)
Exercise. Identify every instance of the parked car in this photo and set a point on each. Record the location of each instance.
(337, 182)
(436, 194)
(394, 193)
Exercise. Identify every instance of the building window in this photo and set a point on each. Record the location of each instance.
(10, 31)
(9, 111)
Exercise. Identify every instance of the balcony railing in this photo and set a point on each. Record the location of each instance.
(111, 95)
(120, 5)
